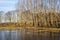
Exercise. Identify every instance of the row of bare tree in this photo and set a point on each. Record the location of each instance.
(28, 18)
(41, 19)
(34, 13)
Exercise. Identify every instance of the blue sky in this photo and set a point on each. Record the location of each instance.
(7, 5)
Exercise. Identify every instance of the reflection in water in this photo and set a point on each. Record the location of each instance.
(28, 35)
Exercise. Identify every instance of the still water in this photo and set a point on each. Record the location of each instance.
(28, 35)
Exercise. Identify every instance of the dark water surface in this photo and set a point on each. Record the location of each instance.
(28, 35)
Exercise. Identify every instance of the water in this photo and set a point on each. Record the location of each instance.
(28, 35)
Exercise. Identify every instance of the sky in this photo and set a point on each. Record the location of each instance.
(7, 5)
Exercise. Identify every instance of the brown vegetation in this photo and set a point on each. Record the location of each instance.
(50, 19)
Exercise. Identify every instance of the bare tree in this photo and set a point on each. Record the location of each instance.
(1, 14)
(8, 17)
